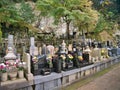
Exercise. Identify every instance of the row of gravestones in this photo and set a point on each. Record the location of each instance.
(42, 66)
(57, 64)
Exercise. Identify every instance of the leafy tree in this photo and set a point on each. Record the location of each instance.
(26, 12)
(66, 10)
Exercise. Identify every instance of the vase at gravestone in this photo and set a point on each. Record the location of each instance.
(4, 77)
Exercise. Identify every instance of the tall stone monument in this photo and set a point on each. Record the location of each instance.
(33, 48)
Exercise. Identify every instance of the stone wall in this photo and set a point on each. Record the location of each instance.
(55, 81)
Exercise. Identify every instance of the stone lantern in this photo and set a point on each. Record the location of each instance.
(10, 56)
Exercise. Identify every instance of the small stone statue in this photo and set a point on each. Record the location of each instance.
(10, 55)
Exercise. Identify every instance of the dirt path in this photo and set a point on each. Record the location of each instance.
(109, 81)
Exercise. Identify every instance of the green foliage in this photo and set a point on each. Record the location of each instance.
(26, 12)
(100, 25)
(78, 11)
(0, 35)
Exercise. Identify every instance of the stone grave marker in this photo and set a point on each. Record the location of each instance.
(96, 53)
(33, 48)
(10, 41)
(51, 49)
(44, 50)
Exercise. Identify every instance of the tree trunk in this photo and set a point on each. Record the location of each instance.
(68, 30)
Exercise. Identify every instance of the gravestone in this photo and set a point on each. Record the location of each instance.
(44, 50)
(75, 55)
(57, 60)
(27, 59)
(10, 41)
(36, 51)
(33, 48)
(40, 51)
(87, 55)
(96, 53)
(114, 51)
(38, 65)
(51, 49)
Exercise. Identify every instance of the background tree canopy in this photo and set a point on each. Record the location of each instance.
(78, 11)
(86, 15)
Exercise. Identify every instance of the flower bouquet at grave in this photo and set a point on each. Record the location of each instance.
(69, 61)
(63, 58)
(12, 69)
(49, 61)
(80, 58)
(70, 57)
(35, 59)
(21, 67)
(102, 52)
(3, 72)
(3, 68)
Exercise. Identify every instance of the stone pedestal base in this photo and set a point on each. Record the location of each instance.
(29, 76)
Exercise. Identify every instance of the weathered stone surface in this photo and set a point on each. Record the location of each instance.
(82, 74)
(87, 72)
(40, 79)
(72, 77)
(56, 80)
(66, 73)
(16, 84)
(39, 86)
(65, 80)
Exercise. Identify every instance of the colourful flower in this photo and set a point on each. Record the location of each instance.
(63, 57)
(2, 68)
(80, 58)
(35, 59)
(70, 56)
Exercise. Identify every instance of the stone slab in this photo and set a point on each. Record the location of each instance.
(72, 77)
(87, 67)
(16, 84)
(87, 72)
(41, 79)
(66, 73)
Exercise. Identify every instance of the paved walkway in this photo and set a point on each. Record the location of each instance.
(109, 81)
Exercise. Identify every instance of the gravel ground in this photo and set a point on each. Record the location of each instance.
(109, 81)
